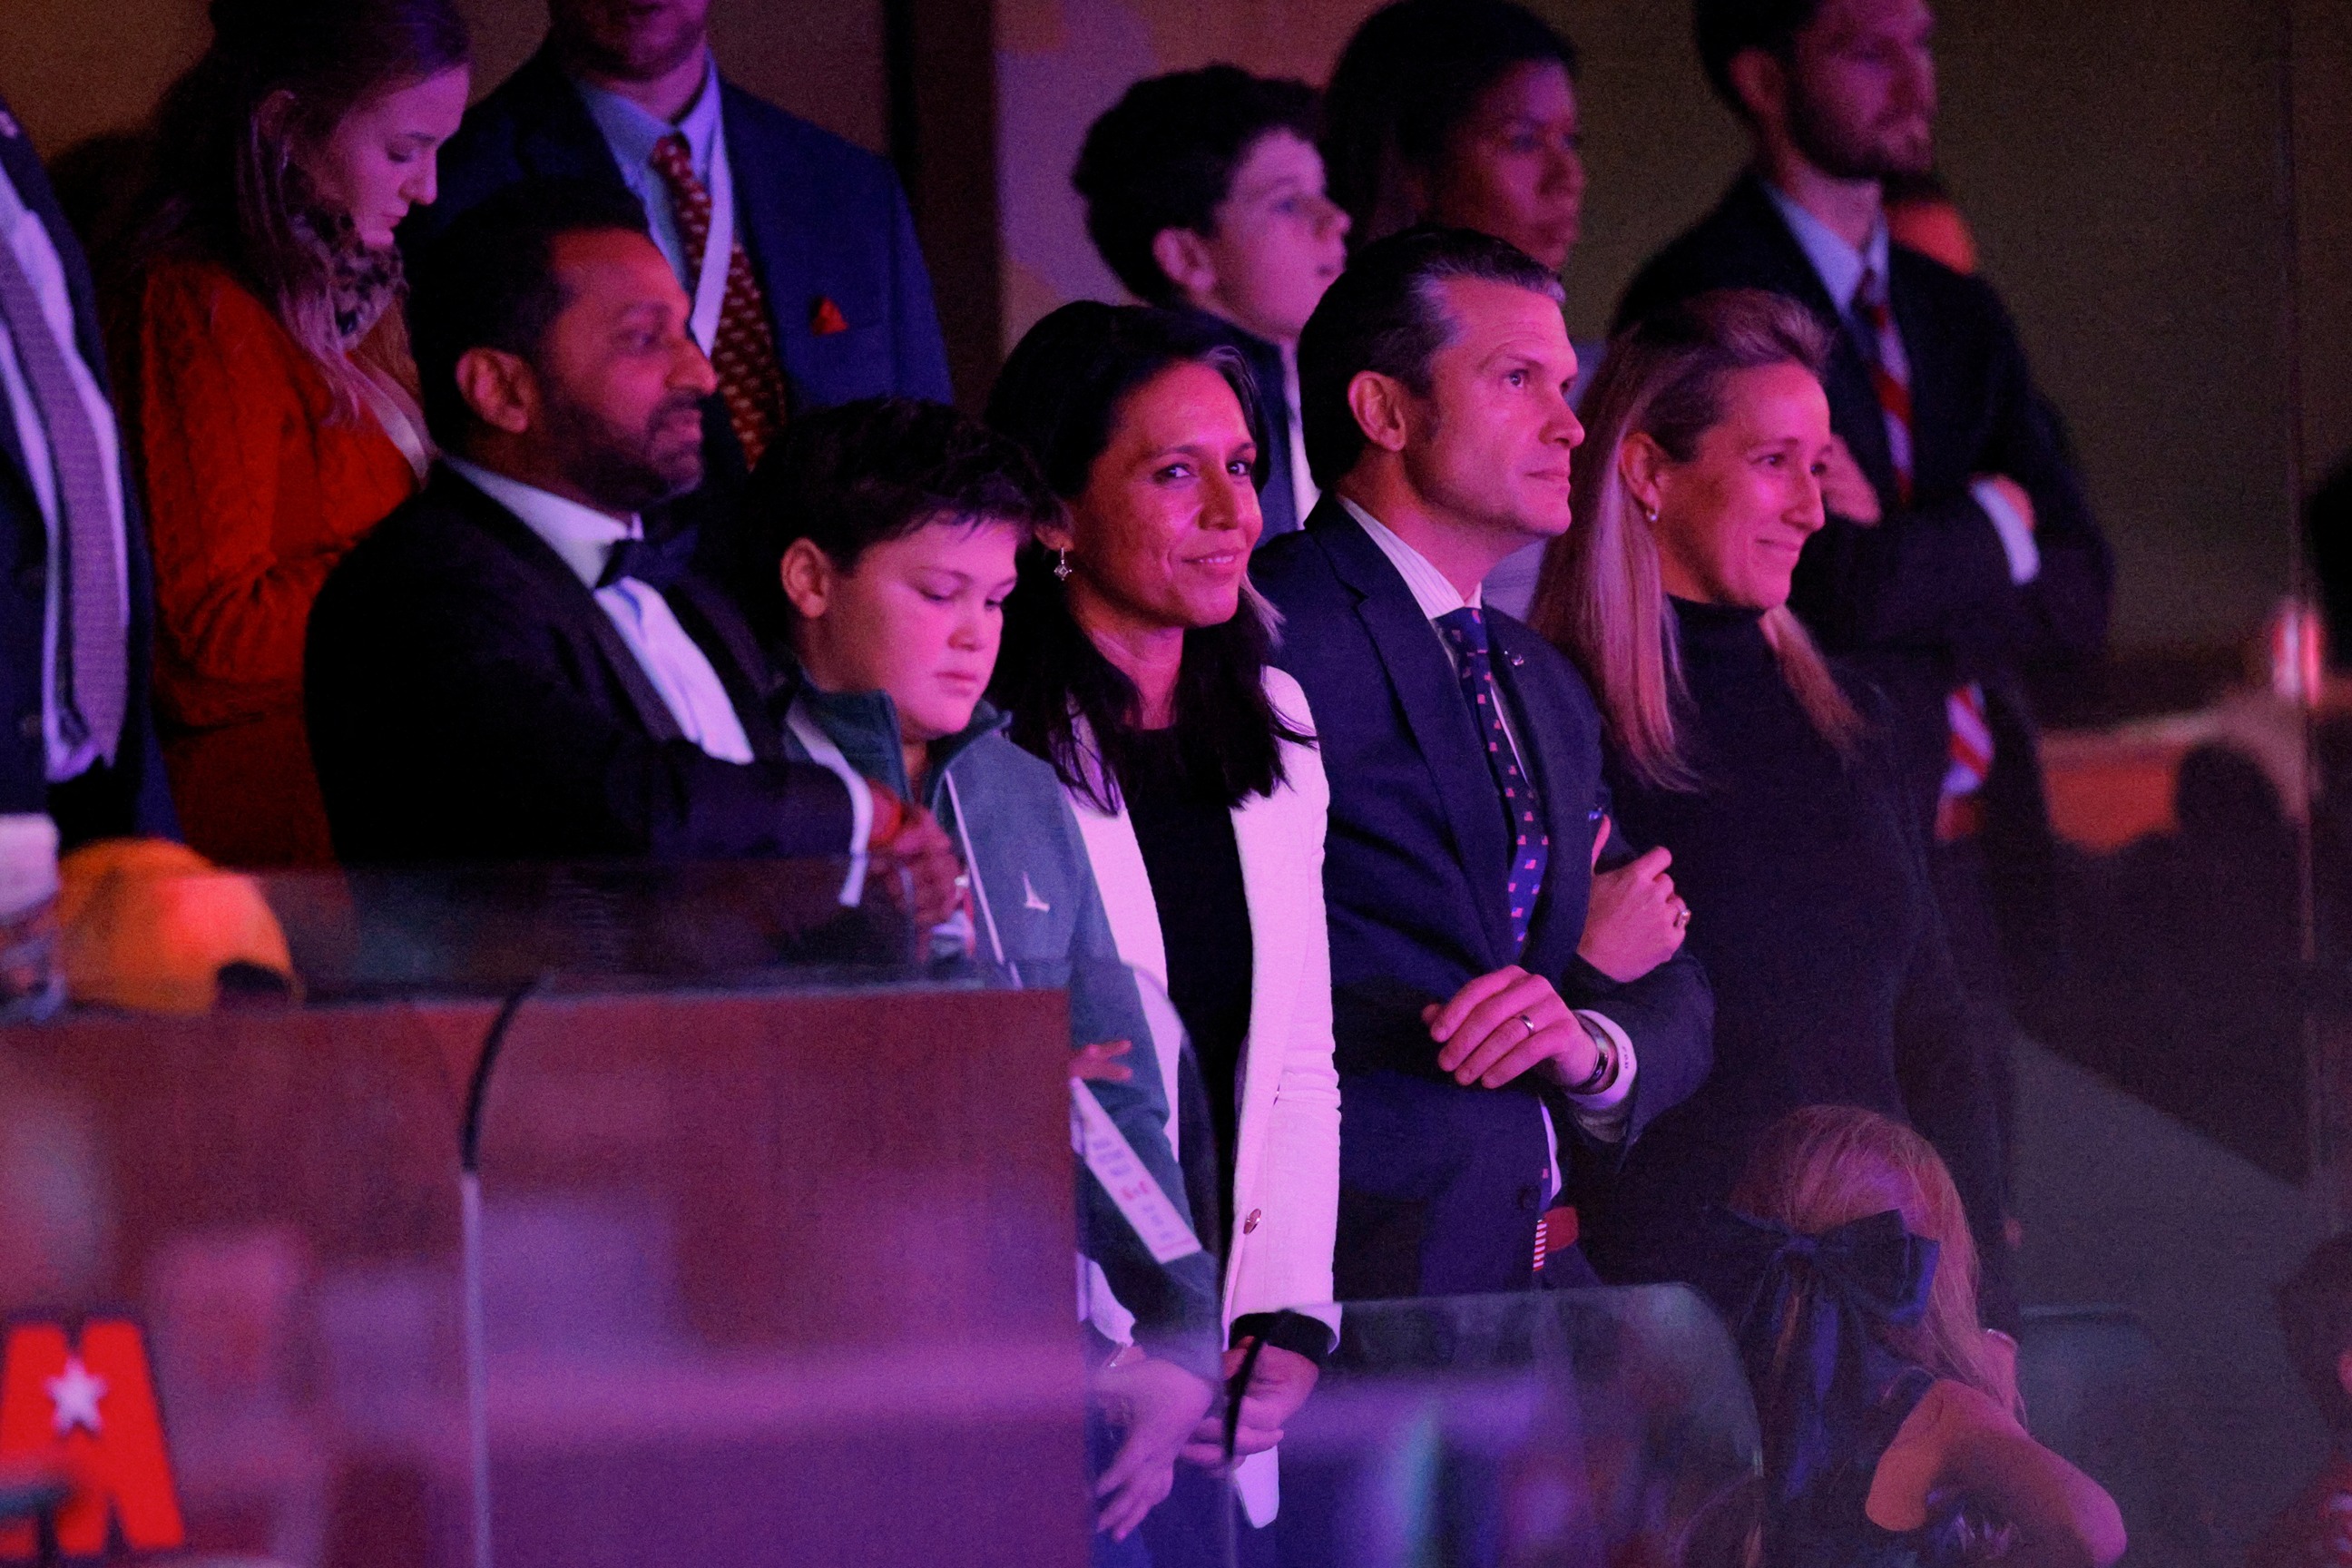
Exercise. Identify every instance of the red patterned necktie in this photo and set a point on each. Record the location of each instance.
(1968, 754)
(1890, 373)
(1465, 629)
(744, 350)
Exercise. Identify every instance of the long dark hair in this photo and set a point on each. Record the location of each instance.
(1061, 394)
(1411, 75)
(224, 187)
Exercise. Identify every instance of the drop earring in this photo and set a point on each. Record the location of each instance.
(1061, 566)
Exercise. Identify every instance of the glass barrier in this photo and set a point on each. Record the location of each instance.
(776, 1274)
(1551, 1426)
(230, 1282)
(140, 935)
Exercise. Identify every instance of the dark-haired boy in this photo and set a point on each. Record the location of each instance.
(2315, 1311)
(885, 531)
(1204, 192)
(503, 670)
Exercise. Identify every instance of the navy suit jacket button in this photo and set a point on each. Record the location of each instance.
(1527, 1198)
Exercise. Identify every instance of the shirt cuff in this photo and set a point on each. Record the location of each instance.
(2016, 537)
(1606, 1114)
(861, 825)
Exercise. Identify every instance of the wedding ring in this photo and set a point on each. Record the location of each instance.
(1530, 1022)
(1682, 916)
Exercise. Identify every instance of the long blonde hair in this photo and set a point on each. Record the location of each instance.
(1601, 596)
(1827, 1165)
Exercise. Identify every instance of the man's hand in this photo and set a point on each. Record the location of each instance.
(1846, 490)
(1278, 1386)
(1634, 920)
(2015, 494)
(1158, 1404)
(1501, 1024)
(906, 837)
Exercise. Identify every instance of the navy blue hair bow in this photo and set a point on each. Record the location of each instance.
(1805, 1309)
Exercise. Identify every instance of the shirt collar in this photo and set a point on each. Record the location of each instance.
(1430, 590)
(581, 535)
(631, 132)
(1839, 265)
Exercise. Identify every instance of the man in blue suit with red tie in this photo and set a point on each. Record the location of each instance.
(795, 247)
(1488, 1071)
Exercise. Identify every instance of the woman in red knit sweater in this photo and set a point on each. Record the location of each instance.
(267, 378)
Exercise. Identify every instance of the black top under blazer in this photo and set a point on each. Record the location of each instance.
(1922, 601)
(1439, 1184)
(469, 700)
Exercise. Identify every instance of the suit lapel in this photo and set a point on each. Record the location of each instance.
(31, 182)
(1548, 733)
(1267, 830)
(1430, 694)
(569, 597)
(1854, 413)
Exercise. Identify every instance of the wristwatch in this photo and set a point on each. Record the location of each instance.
(1604, 1064)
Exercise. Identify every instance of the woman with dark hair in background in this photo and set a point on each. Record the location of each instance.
(1135, 662)
(1734, 745)
(266, 374)
(1463, 112)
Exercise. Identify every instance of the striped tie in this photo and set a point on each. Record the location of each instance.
(1890, 373)
(743, 349)
(1959, 812)
(92, 669)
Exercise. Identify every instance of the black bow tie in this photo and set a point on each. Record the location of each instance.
(656, 563)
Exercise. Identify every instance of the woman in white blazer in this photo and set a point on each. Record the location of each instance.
(1135, 661)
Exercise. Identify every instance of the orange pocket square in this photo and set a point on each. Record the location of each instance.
(825, 318)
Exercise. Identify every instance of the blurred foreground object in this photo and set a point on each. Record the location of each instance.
(32, 984)
(151, 926)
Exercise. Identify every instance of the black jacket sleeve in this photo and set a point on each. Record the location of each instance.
(448, 722)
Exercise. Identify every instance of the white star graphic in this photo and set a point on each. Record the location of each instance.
(75, 1394)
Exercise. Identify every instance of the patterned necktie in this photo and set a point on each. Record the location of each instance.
(744, 350)
(1890, 373)
(1969, 762)
(92, 662)
(1465, 629)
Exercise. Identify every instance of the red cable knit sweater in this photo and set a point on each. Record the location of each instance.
(255, 488)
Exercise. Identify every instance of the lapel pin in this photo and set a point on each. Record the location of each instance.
(825, 318)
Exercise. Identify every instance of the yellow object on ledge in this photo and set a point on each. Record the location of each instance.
(147, 925)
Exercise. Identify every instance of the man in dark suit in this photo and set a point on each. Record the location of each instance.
(1959, 546)
(76, 735)
(505, 670)
(794, 247)
(1485, 1066)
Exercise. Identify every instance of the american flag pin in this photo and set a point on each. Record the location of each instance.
(1516, 661)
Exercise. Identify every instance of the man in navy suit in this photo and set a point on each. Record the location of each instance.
(1486, 1068)
(794, 247)
(77, 738)
(1960, 549)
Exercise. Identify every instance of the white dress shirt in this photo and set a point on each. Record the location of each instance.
(632, 134)
(672, 661)
(1604, 1115)
(25, 235)
(1840, 268)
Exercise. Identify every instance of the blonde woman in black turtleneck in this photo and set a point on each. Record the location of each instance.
(1768, 775)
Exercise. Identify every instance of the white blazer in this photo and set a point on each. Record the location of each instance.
(1285, 1199)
